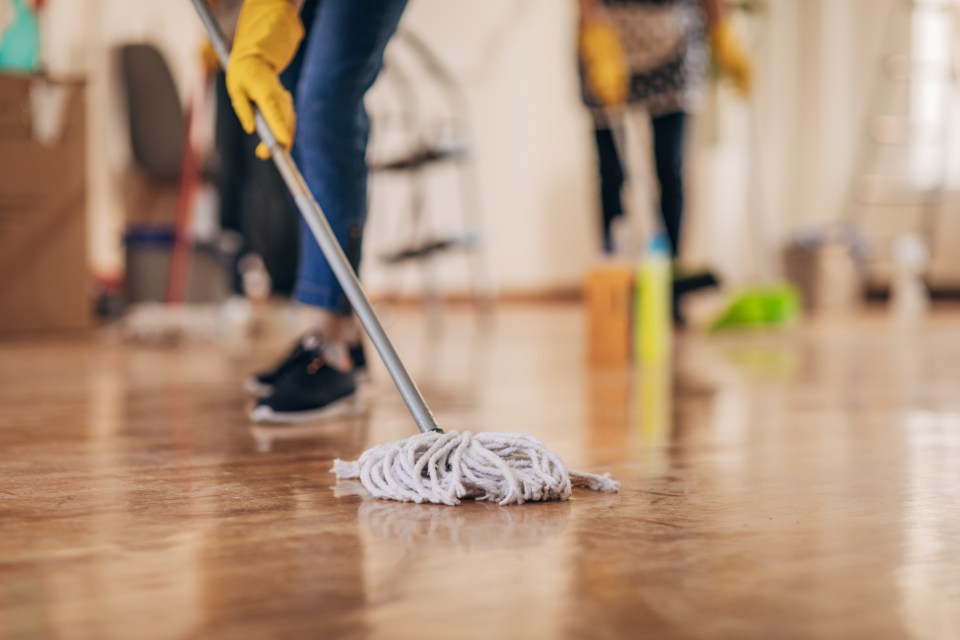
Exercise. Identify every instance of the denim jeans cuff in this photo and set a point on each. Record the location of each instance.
(322, 296)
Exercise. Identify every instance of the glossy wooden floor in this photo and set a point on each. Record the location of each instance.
(800, 485)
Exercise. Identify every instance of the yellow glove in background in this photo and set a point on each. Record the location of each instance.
(731, 58)
(208, 55)
(208, 58)
(267, 37)
(605, 65)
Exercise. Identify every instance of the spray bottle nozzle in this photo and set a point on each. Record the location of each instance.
(659, 243)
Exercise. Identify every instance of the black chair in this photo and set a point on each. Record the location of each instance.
(157, 120)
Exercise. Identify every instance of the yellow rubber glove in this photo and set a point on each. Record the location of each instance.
(605, 64)
(731, 58)
(267, 37)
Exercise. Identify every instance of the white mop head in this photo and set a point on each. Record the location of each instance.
(443, 468)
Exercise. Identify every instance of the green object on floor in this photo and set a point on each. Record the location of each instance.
(769, 306)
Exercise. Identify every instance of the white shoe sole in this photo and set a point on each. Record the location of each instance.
(349, 406)
(259, 390)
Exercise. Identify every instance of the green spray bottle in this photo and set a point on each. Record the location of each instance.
(653, 328)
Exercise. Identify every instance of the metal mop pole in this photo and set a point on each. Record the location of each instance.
(332, 251)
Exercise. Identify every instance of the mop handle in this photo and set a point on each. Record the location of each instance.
(317, 221)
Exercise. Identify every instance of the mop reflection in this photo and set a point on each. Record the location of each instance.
(470, 527)
(416, 555)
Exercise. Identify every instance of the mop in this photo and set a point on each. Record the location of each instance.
(435, 466)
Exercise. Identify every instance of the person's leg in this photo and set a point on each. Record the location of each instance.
(343, 54)
(272, 225)
(340, 58)
(229, 141)
(611, 183)
(668, 142)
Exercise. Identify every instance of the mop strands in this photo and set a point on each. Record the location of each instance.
(443, 468)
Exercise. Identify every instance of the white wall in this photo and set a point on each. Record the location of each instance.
(530, 137)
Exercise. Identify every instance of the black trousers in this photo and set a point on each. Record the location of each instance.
(254, 202)
(668, 143)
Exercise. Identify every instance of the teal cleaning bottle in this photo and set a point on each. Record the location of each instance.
(20, 43)
(653, 330)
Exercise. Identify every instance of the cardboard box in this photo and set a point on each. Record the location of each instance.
(44, 279)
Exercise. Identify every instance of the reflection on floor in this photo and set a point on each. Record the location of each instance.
(802, 484)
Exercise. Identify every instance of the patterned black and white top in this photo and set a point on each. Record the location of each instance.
(666, 49)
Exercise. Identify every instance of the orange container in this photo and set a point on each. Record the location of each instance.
(608, 294)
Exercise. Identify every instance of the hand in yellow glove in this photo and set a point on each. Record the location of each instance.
(730, 57)
(605, 64)
(268, 34)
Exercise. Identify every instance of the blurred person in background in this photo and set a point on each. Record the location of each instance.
(329, 53)
(654, 55)
(255, 209)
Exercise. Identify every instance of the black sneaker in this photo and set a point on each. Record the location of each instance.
(311, 390)
(261, 384)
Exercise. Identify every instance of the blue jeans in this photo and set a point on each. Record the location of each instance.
(338, 61)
